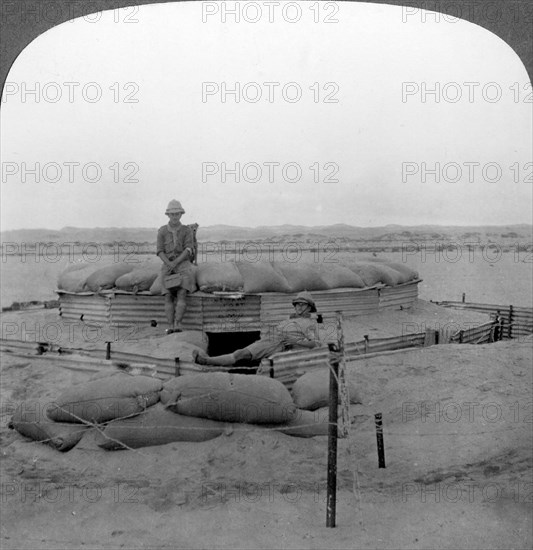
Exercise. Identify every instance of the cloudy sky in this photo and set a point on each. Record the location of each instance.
(335, 122)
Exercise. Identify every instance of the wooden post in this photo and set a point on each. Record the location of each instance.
(331, 506)
(108, 350)
(342, 389)
(378, 419)
(464, 297)
(271, 371)
(510, 329)
(176, 366)
(366, 342)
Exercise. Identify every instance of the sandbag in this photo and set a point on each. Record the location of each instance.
(300, 276)
(339, 276)
(157, 286)
(374, 273)
(229, 398)
(388, 276)
(368, 273)
(214, 276)
(262, 277)
(140, 278)
(157, 426)
(31, 420)
(406, 273)
(311, 391)
(193, 337)
(105, 277)
(74, 277)
(305, 424)
(104, 399)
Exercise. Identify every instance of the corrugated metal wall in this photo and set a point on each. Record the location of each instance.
(401, 296)
(275, 307)
(86, 307)
(251, 312)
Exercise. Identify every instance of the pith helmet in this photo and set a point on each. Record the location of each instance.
(174, 206)
(306, 298)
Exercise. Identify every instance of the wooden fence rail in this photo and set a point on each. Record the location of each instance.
(517, 320)
(507, 322)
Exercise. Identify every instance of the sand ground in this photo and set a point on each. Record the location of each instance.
(458, 444)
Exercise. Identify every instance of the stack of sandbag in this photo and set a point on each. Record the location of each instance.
(301, 276)
(375, 273)
(406, 273)
(338, 276)
(31, 420)
(277, 276)
(107, 398)
(141, 278)
(262, 277)
(204, 406)
(105, 277)
(73, 278)
(157, 426)
(214, 276)
(229, 398)
(311, 391)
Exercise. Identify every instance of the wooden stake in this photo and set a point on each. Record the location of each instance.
(343, 390)
(378, 418)
(331, 506)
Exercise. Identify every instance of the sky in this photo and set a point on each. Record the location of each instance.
(335, 122)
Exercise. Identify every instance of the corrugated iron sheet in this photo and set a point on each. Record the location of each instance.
(276, 307)
(140, 309)
(398, 297)
(224, 314)
(92, 307)
(518, 318)
(250, 312)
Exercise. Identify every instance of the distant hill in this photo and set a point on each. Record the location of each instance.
(342, 232)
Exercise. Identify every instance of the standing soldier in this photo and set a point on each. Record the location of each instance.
(175, 247)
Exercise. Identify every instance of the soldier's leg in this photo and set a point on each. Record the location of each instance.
(224, 360)
(181, 307)
(170, 308)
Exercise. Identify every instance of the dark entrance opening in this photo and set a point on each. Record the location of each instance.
(221, 343)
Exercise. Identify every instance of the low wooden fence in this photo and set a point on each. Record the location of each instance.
(289, 365)
(507, 322)
(517, 321)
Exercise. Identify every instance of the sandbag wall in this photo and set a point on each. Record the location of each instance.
(126, 411)
(247, 277)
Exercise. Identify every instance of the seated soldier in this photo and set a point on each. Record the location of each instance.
(298, 332)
